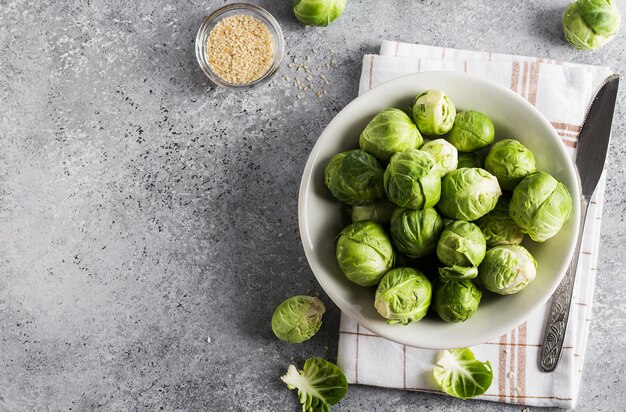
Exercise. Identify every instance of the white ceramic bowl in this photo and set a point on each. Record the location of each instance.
(321, 217)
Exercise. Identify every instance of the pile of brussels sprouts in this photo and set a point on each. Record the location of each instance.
(418, 188)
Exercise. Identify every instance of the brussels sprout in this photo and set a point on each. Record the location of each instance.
(461, 244)
(472, 131)
(509, 161)
(445, 155)
(298, 318)
(415, 232)
(589, 24)
(456, 300)
(498, 227)
(364, 253)
(403, 296)
(354, 177)
(458, 273)
(318, 12)
(433, 112)
(468, 193)
(471, 159)
(459, 374)
(389, 132)
(540, 205)
(379, 212)
(507, 269)
(320, 384)
(411, 180)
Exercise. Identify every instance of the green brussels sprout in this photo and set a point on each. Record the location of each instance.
(456, 300)
(403, 296)
(379, 212)
(472, 131)
(318, 12)
(507, 269)
(389, 132)
(498, 227)
(540, 205)
(433, 112)
(589, 24)
(298, 318)
(320, 384)
(354, 177)
(364, 253)
(461, 375)
(445, 155)
(509, 161)
(461, 244)
(411, 180)
(458, 273)
(415, 232)
(470, 159)
(468, 193)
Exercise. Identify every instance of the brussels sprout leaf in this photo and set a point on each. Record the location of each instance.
(459, 374)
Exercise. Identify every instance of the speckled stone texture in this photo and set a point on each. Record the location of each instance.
(143, 211)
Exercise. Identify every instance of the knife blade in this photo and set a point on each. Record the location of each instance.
(592, 149)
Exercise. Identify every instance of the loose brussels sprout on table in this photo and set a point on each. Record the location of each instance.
(507, 269)
(411, 180)
(469, 159)
(403, 296)
(458, 273)
(433, 112)
(379, 212)
(445, 155)
(498, 227)
(415, 232)
(354, 177)
(389, 132)
(364, 253)
(318, 12)
(461, 244)
(468, 193)
(298, 318)
(589, 24)
(509, 161)
(472, 131)
(540, 205)
(456, 301)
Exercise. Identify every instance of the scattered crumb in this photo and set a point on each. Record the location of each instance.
(308, 58)
(328, 65)
(281, 234)
(333, 61)
(208, 339)
(287, 78)
(526, 409)
(290, 65)
(300, 96)
(511, 375)
(517, 389)
(309, 77)
(318, 94)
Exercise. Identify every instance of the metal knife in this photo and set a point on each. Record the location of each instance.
(593, 143)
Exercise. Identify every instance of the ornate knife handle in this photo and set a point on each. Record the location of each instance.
(556, 326)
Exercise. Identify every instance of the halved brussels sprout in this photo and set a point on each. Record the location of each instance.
(379, 212)
(298, 318)
(403, 296)
(445, 155)
(415, 232)
(461, 244)
(459, 374)
(540, 205)
(389, 132)
(472, 131)
(498, 227)
(456, 300)
(354, 177)
(458, 273)
(433, 112)
(509, 161)
(411, 180)
(507, 269)
(470, 159)
(318, 12)
(364, 253)
(589, 24)
(468, 193)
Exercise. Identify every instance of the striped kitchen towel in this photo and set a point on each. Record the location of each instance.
(562, 92)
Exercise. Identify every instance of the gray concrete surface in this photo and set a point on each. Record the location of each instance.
(143, 211)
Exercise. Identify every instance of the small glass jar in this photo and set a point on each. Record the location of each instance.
(261, 14)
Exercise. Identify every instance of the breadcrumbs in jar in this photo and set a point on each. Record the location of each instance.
(240, 49)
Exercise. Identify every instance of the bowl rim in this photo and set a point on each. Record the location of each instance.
(349, 309)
